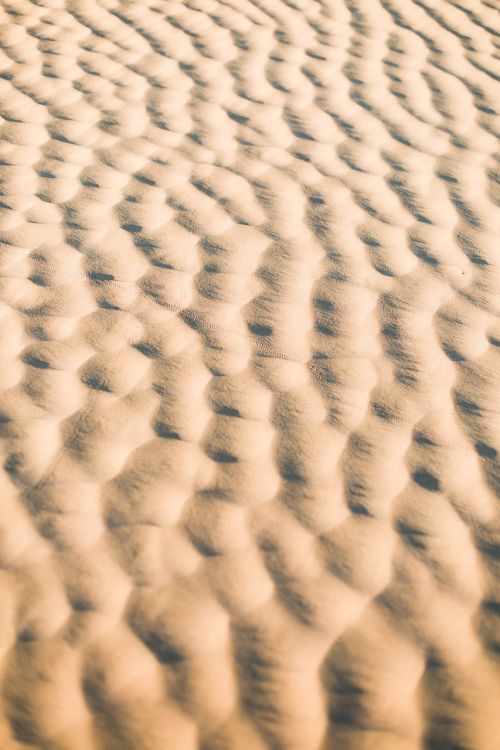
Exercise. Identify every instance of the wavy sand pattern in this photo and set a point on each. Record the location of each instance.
(249, 400)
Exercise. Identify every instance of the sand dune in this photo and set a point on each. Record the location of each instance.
(249, 379)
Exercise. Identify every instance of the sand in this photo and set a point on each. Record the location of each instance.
(249, 379)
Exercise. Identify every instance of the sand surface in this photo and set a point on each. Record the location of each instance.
(249, 377)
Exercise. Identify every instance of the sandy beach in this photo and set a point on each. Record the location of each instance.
(249, 375)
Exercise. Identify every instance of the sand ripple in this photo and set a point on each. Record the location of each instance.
(249, 298)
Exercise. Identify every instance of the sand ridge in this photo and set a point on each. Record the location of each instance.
(249, 393)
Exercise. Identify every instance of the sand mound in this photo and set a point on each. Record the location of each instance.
(249, 402)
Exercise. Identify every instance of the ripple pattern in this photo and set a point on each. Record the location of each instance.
(249, 380)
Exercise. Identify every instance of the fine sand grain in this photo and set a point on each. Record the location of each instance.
(249, 376)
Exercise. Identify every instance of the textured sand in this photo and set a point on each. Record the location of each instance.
(249, 405)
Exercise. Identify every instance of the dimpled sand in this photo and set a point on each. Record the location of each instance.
(249, 376)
